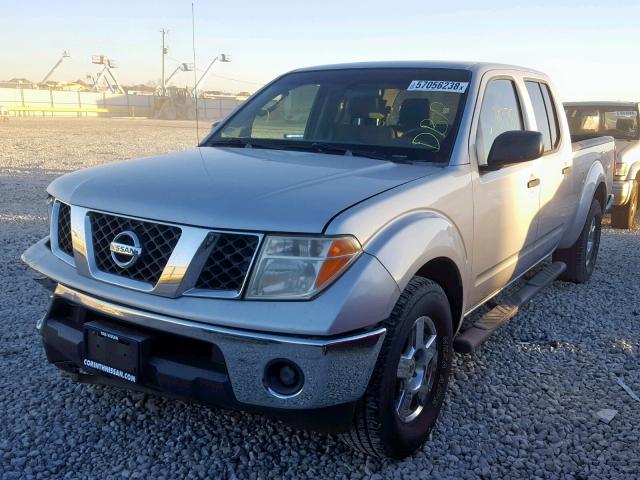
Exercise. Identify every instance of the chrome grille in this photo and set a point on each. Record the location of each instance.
(157, 240)
(228, 262)
(64, 229)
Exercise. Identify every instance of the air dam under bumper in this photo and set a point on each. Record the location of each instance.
(336, 370)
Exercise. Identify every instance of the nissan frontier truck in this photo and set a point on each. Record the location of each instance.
(314, 257)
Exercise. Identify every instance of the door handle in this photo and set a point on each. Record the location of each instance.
(533, 183)
(566, 170)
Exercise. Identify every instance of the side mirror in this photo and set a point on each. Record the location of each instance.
(214, 125)
(515, 146)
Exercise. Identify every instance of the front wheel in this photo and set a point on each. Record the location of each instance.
(581, 257)
(406, 391)
(624, 216)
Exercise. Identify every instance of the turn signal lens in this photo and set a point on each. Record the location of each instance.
(340, 254)
(300, 267)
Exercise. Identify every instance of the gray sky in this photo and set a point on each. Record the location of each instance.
(590, 48)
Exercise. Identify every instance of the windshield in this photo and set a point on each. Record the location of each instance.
(395, 114)
(593, 121)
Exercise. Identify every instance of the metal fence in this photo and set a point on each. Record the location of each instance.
(59, 103)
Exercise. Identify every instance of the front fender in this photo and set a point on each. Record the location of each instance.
(409, 242)
(594, 177)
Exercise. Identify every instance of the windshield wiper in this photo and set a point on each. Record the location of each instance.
(318, 147)
(229, 142)
(236, 142)
(349, 152)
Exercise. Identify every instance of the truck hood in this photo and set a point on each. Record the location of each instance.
(235, 188)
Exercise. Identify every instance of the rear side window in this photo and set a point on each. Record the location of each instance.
(540, 112)
(500, 113)
(545, 112)
(553, 115)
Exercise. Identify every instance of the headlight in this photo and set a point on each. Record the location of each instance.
(300, 267)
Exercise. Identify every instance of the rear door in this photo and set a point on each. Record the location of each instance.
(506, 201)
(556, 189)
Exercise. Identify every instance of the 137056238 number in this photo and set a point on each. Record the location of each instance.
(438, 86)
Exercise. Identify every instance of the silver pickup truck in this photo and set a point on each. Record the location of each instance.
(619, 120)
(314, 257)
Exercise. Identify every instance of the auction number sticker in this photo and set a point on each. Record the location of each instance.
(437, 86)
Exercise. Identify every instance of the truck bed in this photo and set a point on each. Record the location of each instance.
(578, 143)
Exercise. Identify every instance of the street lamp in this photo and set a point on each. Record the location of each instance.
(65, 54)
(223, 57)
(183, 67)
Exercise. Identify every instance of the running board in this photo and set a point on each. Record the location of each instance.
(469, 340)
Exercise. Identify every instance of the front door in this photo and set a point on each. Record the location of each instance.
(506, 201)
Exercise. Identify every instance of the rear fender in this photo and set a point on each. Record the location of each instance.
(595, 176)
(409, 242)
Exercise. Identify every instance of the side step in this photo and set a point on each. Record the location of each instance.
(472, 338)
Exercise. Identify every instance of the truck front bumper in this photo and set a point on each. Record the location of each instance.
(621, 191)
(217, 365)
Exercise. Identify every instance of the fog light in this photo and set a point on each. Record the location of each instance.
(283, 378)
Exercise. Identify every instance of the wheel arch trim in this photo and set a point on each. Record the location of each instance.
(592, 181)
(440, 244)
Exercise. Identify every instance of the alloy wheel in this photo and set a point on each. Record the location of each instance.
(416, 370)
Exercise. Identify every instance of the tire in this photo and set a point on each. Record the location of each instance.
(624, 216)
(581, 257)
(377, 428)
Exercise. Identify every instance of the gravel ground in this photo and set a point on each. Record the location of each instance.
(524, 406)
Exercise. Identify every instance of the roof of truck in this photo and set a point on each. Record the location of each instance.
(600, 104)
(476, 67)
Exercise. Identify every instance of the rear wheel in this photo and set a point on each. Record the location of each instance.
(406, 392)
(624, 216)
(581, 257)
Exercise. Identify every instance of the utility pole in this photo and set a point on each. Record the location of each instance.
(165, 50)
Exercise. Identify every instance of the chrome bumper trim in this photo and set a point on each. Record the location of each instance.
(187, 328)
(336, 370)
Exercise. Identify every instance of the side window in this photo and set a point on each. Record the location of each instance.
(540, 112)
(552, 114)
(500, 113)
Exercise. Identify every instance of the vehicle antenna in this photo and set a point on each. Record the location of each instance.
(195, 78)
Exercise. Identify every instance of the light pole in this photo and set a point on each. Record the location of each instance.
(223, 57)
(65, 54)
(183, 67)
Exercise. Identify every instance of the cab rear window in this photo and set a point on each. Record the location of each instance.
(587, 121)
